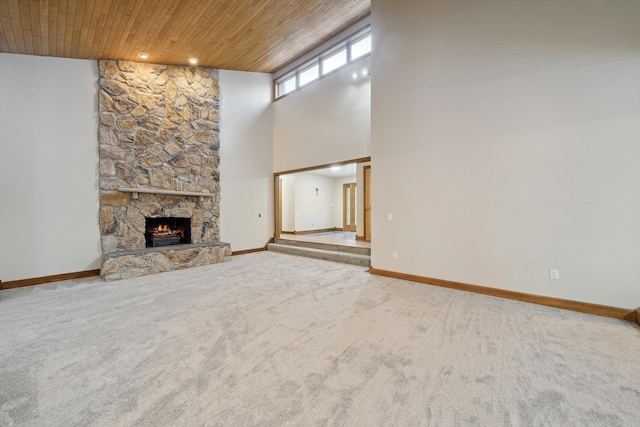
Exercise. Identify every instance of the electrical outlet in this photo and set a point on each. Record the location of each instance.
(394, 255)
(389, 217)
(554, 274)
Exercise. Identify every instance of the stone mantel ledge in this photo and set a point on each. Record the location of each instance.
(135, 192)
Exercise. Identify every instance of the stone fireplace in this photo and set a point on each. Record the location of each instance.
(159, 158)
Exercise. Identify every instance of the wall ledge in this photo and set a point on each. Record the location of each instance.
(136, 191)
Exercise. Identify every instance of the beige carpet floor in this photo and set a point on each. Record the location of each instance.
(275, 340)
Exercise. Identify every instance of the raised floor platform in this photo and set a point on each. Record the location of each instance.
(330, 252)
(143, 262)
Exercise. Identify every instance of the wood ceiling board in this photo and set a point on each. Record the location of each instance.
(251, 35)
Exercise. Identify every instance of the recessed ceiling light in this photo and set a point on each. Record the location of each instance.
(335, 168)
(193, 61)
(143, 55)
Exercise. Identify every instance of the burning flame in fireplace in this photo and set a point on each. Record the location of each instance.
(165, 230)
(162, 229)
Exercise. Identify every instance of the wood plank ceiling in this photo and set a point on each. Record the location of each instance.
(249, 35)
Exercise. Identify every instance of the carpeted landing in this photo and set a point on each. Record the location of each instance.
(269, 339)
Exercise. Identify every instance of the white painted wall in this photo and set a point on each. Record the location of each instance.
(314, 210)
(337, 199)
(506, 141)
(288, 183)
(327, 121)
(246, 159)
(48, 166)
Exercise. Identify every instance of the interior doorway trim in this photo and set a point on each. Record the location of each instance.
(277, 188)
(326, 165)
(366, 179)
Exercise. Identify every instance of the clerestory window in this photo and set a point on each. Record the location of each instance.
(340, 55)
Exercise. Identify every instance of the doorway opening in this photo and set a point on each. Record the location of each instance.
(324, 202)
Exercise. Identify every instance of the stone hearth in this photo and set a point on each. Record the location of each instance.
(142, 262)
(159, 131)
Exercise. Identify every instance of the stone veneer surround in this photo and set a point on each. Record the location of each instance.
(159, 129)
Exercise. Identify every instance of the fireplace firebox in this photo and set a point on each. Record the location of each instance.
(167, 231)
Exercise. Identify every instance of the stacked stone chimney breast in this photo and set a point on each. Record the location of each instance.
(159, 130)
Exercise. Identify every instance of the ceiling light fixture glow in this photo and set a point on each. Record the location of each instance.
(143, 55)
(193, 61)
(364, 73)
(335, 168)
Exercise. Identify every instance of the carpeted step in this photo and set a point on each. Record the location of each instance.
(325, 246)
(337, 256)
